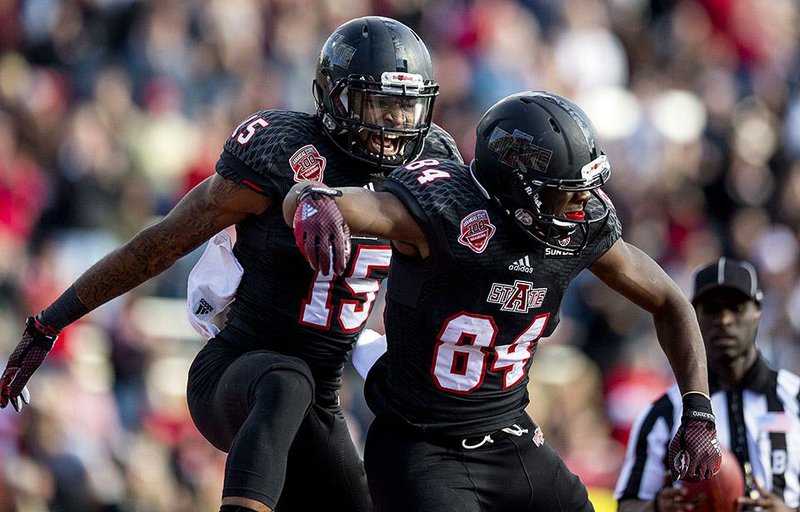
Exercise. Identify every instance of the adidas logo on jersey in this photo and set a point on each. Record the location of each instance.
(522, 265)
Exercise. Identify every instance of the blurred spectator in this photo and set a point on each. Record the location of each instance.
(567, 390)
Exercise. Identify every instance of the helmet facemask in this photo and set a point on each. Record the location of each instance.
(384, 122)
(534, 205)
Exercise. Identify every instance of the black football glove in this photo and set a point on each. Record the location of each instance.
(694, 452)
(36, 342)
(320, 230)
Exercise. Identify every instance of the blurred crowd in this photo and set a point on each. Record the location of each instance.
(110, 110)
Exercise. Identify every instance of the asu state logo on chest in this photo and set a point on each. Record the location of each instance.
(519, 297)
(476, 231)
(307, 164)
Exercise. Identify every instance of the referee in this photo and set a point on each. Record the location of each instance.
(756, 406)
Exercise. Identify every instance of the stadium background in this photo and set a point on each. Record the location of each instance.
(111, 109)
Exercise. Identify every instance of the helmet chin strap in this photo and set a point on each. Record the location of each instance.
(563, 224)
(331, 126)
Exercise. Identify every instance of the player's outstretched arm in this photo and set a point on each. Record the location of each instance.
(317, 212)
(635, 275)
(694, 453)
(208, 208)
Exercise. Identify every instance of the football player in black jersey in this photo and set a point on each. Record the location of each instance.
(482, 256)
(265, 389)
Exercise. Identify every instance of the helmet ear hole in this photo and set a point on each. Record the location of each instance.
(316, 91)
(554, 126)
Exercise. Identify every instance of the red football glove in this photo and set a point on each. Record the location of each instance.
(320, 230)
(694, 452)
(36, 342)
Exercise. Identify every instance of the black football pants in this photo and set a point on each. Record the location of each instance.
(285, 449)
(409, 471)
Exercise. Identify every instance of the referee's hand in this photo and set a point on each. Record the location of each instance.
(673, 499)
(694, 453)
(765, 501)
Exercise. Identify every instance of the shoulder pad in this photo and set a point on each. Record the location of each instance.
(440, 144)
(255, 152)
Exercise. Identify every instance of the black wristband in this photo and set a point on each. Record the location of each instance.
(697, 406)
(65, 310)
(316, 191)
(42, 336)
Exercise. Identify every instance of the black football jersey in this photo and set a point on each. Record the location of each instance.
(281, 303)
(463, 324)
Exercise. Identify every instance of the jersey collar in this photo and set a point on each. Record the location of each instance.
(759, 378)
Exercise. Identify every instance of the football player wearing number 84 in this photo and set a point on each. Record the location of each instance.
(265, 388)
(482, 255)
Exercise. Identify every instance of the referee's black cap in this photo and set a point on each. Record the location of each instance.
(727, 273)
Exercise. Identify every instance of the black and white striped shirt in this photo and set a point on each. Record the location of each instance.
(766, 401)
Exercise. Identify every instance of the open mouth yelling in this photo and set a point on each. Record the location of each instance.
(390, 143)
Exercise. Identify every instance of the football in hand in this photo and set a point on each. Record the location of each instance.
(718, 493)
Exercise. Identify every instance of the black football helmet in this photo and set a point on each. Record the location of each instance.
(532, 144)
(374, 91)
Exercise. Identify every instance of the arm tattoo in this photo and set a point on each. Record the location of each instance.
(196, 218)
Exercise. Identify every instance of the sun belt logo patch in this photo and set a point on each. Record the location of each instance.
(519, 297)
(307, 164)
(476, 231)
